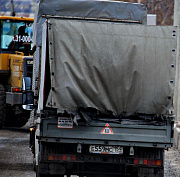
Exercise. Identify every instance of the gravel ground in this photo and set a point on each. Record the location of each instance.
(15, 155)
(172, 163)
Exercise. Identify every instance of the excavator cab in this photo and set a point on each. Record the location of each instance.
(16, 65)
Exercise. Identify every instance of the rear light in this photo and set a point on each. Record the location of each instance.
(149, 162)
(64, 157)
(159, 162)
(68, 157)
(32, 129)
(145, 162)
(73, 158)
(16, 89)
(55, 158)
(136, 161)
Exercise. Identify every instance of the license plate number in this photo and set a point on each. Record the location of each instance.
(106, 149)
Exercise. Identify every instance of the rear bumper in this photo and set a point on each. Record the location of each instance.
(93, 168)
(62, 159)
(13, 98)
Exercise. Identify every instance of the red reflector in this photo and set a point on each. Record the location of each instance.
(55, 157)
(15, 89)
(136, 161)
(151, 162)
(145, 161)
(154, 162)
(64, 157)
(73, 158)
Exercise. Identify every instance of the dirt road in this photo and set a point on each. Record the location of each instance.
(16, 157)
(172, 163)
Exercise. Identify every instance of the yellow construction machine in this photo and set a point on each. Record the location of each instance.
(16, 65)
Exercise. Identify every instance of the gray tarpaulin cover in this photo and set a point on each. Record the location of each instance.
(111, 66)
(86, 9)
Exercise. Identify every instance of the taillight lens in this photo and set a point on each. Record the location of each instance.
(159, 163)
(145, 161)
(16, 89)
(136, 161)
(62, 157)
(150, 162)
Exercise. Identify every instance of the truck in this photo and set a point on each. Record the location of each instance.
(103, 85)
(16, 64)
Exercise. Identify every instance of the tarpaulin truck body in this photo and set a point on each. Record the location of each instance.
(111, 67)
(106, 91)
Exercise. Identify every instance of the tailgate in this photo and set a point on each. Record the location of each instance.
(108, 133)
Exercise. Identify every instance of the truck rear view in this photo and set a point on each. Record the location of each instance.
(106, 90)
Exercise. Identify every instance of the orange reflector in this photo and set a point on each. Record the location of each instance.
(50, 157)
(158, 162)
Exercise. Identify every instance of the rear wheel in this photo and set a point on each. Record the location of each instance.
(2, 105)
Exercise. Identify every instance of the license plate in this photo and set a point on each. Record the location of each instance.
(65, 122)
(106, 149)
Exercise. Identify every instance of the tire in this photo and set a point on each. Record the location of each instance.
(15, 120)
(2, 105)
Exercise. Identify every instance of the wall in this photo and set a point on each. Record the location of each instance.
(163, 8)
